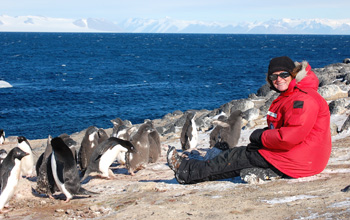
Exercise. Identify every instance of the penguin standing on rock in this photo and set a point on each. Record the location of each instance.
(139, 159)
(189, 133)
(72, 144)
(2, 136)
(215, 133)
(118, 125)
(65, 171)
(105, 154)
(27, 164)
(229, 130)
(93, 136)
(154, 145)
(45, 183)
(10, 173)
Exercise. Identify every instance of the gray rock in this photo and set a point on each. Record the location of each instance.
(329, 91)
(346, 124)
(251, 114)
(334, 129)
(241, 104)
(264, 108)
(264, 90)
(338, 106)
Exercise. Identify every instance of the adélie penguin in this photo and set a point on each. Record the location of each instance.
(138, 160)
(65, 171)
(2, 136)
(189, 133)
(27, 164)
(10, 173)
(45, 183)
(93, 136)
(105, 154)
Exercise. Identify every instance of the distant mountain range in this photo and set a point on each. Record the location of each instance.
(169, 25)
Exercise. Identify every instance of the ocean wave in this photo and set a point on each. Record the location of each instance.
(4, 84)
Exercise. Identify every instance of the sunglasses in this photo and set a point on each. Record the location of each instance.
(283, 75)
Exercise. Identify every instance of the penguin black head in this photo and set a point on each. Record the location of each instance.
(191, 115)
(21, 139)
(102, 133)
(17, 153)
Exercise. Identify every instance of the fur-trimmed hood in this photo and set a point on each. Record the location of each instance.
(305, 77)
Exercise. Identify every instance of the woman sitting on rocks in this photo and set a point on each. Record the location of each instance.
(296, 143)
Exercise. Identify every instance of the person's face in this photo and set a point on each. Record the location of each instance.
(281, 83)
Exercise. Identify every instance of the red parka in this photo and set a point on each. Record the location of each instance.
(298, 141)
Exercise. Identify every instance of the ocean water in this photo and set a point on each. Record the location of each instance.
(66, 82)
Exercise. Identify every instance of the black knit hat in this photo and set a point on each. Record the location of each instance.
(283, 63)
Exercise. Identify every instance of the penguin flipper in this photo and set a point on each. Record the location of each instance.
(5, 176)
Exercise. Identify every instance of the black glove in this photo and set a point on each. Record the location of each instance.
(253, 147)
(255, 137)
(222, 145)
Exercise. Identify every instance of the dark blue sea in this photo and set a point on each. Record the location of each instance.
(66, 82)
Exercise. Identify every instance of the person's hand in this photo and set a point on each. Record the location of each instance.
(253, 147)
(255, 137)
(222, 145)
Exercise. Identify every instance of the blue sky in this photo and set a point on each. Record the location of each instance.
(225, 11)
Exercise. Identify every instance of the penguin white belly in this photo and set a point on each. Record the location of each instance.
(109, 157)
(60, 185)
(121, 157)
(91, 139)
(194, 140)
(121, 134)
(12, 182)
(2, 139)
(27, 165)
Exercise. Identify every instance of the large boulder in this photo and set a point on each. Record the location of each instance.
(331, 92)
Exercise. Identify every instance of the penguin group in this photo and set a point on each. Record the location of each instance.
(64, 165)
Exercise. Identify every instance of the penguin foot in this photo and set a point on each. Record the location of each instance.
(131, 172)
(173, 159)
(6, 209)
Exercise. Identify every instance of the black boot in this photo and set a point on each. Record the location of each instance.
(173, 158)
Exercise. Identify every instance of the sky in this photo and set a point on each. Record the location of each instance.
(223, 11)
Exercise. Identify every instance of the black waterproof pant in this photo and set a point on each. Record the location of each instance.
(227, 164)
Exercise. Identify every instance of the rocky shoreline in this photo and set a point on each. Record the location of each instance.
(119, 198)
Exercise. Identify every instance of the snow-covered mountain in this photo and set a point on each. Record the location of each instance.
(169, 25)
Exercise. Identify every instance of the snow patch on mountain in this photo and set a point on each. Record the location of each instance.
(169, 25)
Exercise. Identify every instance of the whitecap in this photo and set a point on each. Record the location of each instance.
(4, 84)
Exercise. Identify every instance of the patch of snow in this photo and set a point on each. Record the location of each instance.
(288, 199)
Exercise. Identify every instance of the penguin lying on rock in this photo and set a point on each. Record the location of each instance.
(105, 154)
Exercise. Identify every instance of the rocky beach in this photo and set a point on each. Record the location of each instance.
(154, 193)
